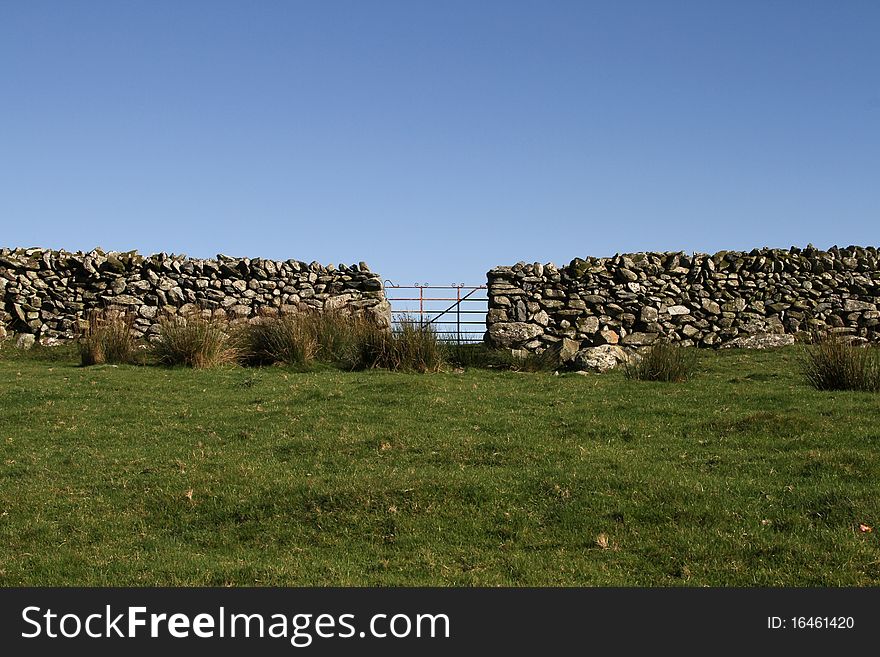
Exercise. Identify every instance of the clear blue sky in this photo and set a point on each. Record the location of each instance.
(437, 139)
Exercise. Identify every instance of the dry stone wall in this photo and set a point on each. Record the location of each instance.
(731, 298)
(48, 293)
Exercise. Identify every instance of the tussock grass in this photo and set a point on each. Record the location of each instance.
(662, 362)
(194, 341)
(410, 346)
(833, 363)
(107, 338)
(282, 339)
(332, 337)
(338, 334)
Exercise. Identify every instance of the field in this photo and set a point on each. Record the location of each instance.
(134, 475)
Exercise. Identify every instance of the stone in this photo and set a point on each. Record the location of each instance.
(607, 336)
(678, 310)
(112, 264)
(599, 359)
(513, 334)
(541, 318)
(25, 341)
(588, 325)
(19, 313)
(569, 349)
(649, 315)
(166, 283)
(853, 305)
(760, 341)
(639, 339)
(711, 306)
(124, 300)
(175, 296)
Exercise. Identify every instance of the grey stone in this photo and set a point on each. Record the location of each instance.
(649, 314)
(240, 310)
(711, 307)
(124, 300)
(639, 339)
(513, 334)
(541, 318)
(607, 336)
(588, 325)
(569, 349)
(852, 305)
(760, 341)
(599, 359)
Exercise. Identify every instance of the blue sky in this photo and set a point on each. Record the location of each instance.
(437, 139)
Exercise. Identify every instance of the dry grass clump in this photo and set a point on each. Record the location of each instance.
(194, 341)
(833, 363)
(410, 346)
(663, 362)
(285, 339)
(107, 338)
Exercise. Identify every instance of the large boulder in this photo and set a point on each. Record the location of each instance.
(600, 359)
(510, 335)
(380, 313)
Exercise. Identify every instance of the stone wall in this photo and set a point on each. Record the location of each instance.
(705, 300)
(47, 293)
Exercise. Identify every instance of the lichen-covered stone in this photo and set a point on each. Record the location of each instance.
(698, 299)
(512, 335)
(599, 359)
(46, 294)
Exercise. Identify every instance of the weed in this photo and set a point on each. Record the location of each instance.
(662, 362)
(107, 338)
(282, 339)
(409, 346)
(194, 341)
(835, 364)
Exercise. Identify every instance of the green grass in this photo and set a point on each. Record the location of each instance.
(742, 476)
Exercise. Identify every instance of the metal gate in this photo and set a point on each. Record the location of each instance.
(457, 312)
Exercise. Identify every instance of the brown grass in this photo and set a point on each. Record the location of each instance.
(195, 341)
(107, 338)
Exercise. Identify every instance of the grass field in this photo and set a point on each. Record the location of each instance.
(129, 475)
